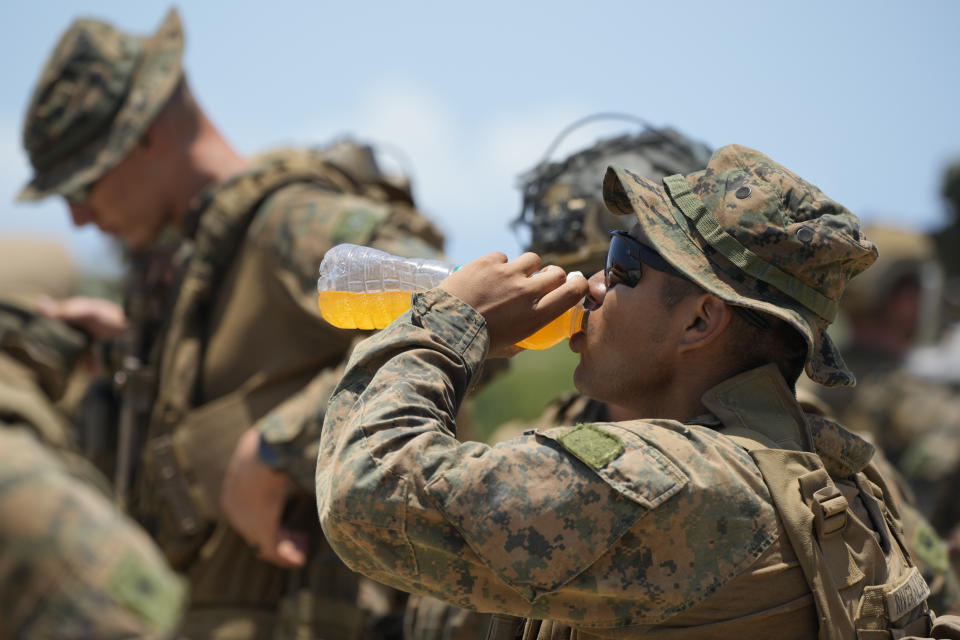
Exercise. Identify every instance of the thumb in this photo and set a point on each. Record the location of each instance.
(291, 547)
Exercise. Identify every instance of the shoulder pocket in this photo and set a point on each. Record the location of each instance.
(539, 516)
(623, 460)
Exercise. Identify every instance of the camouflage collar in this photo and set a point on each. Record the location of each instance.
(759, 404)
(843, 452)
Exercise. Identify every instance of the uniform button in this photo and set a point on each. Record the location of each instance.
(188, 523)
(166, 472)
(805, 234)
(743, 192)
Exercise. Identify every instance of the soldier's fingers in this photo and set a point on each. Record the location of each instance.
(548, 278)
(564, 296)
(527, 263)
(496, 257)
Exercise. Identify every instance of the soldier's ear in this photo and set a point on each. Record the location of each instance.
(706, 318)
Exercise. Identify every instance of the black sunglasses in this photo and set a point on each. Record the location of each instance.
(625, 260)
(626, 257)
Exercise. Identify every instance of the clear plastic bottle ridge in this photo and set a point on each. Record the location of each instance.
(365, 288)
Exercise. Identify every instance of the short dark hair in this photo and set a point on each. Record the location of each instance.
(779, 343)
(751, 345)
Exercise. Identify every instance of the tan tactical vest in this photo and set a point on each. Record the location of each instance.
(179, 481)
(838, 546)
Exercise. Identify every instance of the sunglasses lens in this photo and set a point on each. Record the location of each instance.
(623, 262)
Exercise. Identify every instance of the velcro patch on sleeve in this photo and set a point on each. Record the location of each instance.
(357, 223)
(155, 596)
(592, 445)
(929, 548)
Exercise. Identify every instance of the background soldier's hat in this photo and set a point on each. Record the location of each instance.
(98, 93)
(756, 235)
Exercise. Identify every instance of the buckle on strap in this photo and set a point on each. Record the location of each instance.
(829, 511)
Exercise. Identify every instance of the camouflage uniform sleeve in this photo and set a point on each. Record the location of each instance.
(72, 565)
(296, 227)
(550, 525)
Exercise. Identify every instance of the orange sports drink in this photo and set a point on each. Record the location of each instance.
(364, 288)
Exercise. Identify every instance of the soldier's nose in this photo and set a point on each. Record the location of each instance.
(597, 289)
(81, 214)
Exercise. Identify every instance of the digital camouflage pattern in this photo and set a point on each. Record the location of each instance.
(97, 94)
(794, 248)
(567, 224)
(635, 528)
(235, 356)
(652, 527)
(72, 565)
(926, 547)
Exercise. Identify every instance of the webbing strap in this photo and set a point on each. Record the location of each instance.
(749, 262)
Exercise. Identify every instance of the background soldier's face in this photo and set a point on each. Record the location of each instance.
(129, 201)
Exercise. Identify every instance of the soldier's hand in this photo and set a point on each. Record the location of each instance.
(253, 498)
(513, 296)
(102, 319)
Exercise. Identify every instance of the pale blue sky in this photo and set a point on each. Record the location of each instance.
(858, 97)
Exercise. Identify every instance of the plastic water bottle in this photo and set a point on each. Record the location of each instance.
(364, 288)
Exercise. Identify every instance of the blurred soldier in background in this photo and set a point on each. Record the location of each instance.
(35, 268)
(71, 564)
(941, 362)
(241, 363)
(563, 218)
(916, 422)
(948, 244)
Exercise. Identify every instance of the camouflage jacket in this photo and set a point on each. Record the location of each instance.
(71, 565)
(630, 528)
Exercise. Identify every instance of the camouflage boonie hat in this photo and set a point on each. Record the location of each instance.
(756, 235)
(98, 93)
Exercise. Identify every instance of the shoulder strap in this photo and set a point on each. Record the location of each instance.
(222, 228)
(813, 512)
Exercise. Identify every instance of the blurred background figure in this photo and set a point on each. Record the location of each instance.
(225, 358)
(948, 244)
(35, 267)
(563, 219)
(940, 362)
(562, 216)
(72, 564)
(890, 309)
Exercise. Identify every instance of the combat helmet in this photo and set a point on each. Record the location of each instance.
(562, 212)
